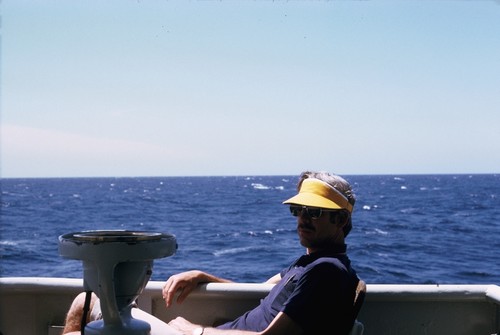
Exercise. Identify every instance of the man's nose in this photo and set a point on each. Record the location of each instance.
(304, 214)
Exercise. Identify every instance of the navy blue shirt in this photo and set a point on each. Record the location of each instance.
(316, 291)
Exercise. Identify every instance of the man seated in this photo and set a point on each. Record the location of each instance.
(314, 295)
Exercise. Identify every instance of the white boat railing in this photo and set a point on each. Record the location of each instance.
(37, 306)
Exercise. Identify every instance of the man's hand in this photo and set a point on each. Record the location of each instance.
(183, 325)
(183, 283)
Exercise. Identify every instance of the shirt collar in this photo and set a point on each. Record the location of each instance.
(338, 250)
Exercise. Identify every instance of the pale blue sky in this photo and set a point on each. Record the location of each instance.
(177, 88)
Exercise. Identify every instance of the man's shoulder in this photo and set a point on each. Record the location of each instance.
(327, 266)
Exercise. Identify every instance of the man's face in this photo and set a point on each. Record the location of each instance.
(314, 227)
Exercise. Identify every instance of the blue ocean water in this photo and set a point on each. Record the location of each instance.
(408, 229)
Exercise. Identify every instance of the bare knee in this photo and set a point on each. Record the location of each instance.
(75, 313)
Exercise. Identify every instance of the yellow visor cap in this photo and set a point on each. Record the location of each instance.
(316, 193)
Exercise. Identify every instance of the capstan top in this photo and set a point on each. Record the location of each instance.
(316, 193)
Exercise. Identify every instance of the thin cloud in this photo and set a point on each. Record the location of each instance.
(51, 149)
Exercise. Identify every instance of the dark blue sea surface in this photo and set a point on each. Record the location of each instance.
(408, 229)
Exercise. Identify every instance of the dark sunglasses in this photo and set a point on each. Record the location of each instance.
(312, 212)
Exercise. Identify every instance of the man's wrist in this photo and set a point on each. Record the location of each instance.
(198, 331)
